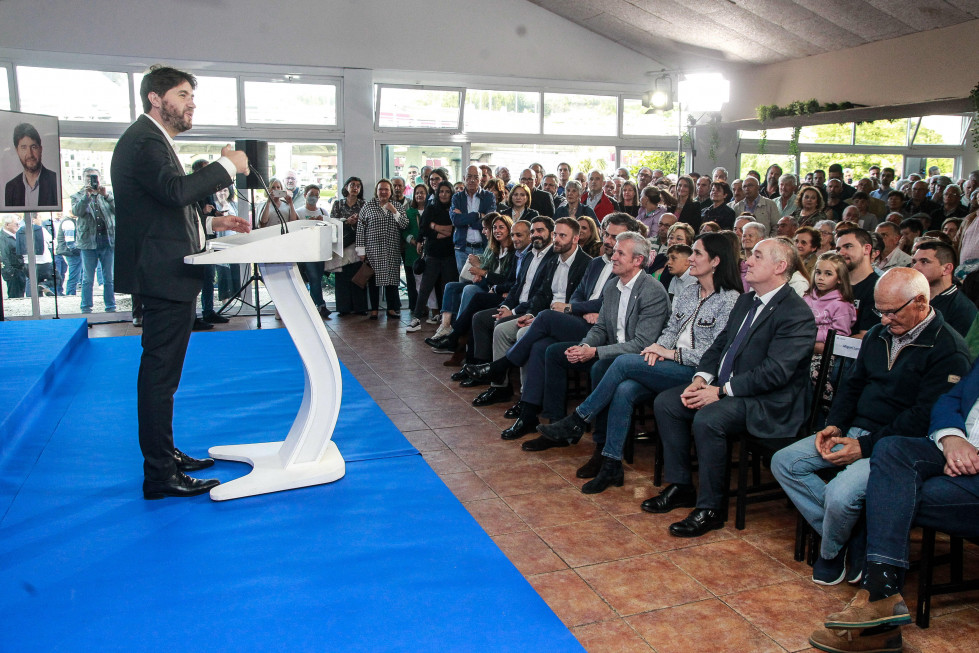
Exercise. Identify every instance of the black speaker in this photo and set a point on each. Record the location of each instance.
(258, 158)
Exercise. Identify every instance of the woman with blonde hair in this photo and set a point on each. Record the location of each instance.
(589, 238)
(379, 242)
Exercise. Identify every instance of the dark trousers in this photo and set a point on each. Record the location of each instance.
(480, 346)
(350, 298)
(207, 291)
(410, 284)
(908, 487)
(438, 272)
(554, 387)
(314, 277)
(548, 327)
(465, 322)
(166, 332)
(391, 296)
(707, 428)
(16, 279)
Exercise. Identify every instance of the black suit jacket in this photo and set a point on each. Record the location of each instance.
(47, 194)
(512, 300)
(542, 299)
(542, 202)
(771, 371)
(156, 214)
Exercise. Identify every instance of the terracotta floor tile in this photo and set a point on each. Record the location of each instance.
(955, 632)
(495, 516)
(554, 508)
(437, 397)
(409, 422)
(614, 636)
(424, 440)
(780, 544)
(450, 416)
(467, 486)
(731, 565)
(704, 627)
(380, 392)
(529, 553)
(571, 599)
(643, 583)
(627, 499)
(393, 406)
(591, 542)
(444, 461)
(497, 453)
(469, 435)
(522, 479)
(655, 530)
(569, 463)
(787, 612)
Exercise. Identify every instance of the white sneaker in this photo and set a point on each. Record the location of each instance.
(442, 331)
(434, 319)
(414, 325)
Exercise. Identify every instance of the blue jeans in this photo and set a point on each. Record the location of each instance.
(908, 487)
(470, 291)
(628, 381)
(91, 258)
(833, 508)
(462, 254)
(451, 295)
(74, 272)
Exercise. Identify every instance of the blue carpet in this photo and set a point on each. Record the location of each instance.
(385, 559)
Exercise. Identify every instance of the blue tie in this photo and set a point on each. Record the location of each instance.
(728, 365)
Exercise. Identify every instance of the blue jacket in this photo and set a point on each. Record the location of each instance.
(951, 409)
(464, 220)
(580, 304)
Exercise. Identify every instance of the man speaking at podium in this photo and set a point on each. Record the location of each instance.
(157, 224)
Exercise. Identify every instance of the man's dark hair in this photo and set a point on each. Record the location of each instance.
(26, 130)
(944, 252)
(835, 167)
(898, 194)
(862, 236)
(548, 222)
(570, 223)
(622, 220)
(685, 250)
(725, 188)
(161, 79)
(819, 170)
(197, 165)
(310, 187)
(914, 224)
(860, 195)
(890, 170)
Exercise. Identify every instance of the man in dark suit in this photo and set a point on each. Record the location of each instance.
(540, 200)
(37, 186)
(753, 378)
(157, 225)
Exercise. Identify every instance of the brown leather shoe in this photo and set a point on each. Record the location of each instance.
(864, 613)
(851, 641)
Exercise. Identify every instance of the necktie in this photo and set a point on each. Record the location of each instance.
(728, 365)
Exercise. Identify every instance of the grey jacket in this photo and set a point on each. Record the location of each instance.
(649, 306)
(710, 318)
(85, 227)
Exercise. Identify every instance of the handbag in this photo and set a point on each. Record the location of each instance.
(363, 275)
(466, 273)
(418, 267)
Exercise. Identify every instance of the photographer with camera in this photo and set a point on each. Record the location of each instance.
(283, 200)
(95, 237)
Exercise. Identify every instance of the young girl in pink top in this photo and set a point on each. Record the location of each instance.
(830, 298)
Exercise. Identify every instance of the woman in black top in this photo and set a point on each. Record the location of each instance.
(629, 198)
(687, 208)
(719, 211)
(436, 241)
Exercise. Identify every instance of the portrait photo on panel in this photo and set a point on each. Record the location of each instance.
(30, 162)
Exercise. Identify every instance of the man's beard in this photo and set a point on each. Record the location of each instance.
(32, 164)
(173, 119)
(538, 243)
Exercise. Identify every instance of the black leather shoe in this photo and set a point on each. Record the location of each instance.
(697, 523)
(432, 341)
(444, 345)
(472, 383)
(590, 468)
(543, 444)
(214, 318)
(494, 395)
(520, 428)
(673, 497)
(187, 464)
(480, 371)
(611, 473)
(569, 429)
(513, 412)
(459, 376)
(201, 325)
(178, 485)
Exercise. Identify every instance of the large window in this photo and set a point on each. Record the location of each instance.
(637, 122)
(4, 90)
(407, 161)
(783, 134)
(429, 108)
(939, 130)
(652, 159)
(578, 114)
(761, 162)
(859, 163)
(290, 103)
(832, 134)
(513, 112)
(216, 99)
(883, 132)
(74, 94)
(518, 156)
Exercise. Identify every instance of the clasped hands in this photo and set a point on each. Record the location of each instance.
(655, 353)
(830, 437)
(699, 394)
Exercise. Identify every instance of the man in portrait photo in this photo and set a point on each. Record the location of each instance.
(36, 186)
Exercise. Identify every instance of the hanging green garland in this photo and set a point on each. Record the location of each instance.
(767, 112)
(974, 96)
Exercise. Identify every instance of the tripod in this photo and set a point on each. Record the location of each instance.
(254, 278)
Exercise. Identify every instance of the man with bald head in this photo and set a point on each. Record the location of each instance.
(765, 210)
(919, 202)
(595, 198)
(906, 362)
(540, 200)
(469, 207)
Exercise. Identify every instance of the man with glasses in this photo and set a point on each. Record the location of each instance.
(854, 246)
(890, 391)
(469, 207)
(540, 200)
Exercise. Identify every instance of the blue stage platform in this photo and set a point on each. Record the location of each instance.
(385, 559)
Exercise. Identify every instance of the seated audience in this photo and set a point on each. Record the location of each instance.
(936, 261)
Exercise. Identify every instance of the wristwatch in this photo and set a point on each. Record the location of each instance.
(720, 392)
(567, 309)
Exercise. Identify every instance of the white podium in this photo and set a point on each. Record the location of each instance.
(308, 455)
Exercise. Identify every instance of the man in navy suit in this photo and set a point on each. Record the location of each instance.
(753, 378)
(157, 225)
(36, 186)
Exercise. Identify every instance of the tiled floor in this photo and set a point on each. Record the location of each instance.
(611, 572)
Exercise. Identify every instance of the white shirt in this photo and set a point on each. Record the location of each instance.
(534, 263)
(625, 293)
(680, 283)
(971, 429)
(602, 279)
(306, 213)
(473, 235)
(559, 282)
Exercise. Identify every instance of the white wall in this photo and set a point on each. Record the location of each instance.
(488, 37)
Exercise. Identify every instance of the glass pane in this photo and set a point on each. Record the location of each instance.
(939, 130)
(883, 132)
(635, 120)
(514, 112)
(4, 90)
(419, 108)
(216, 99)
(74, 94)
(945, 166)
(516, 157)
(784, 134)
(653, 159)
(407, 161)
(858, 163)
(760, 162)
(592, 115)
(287, 103)
(827, 134)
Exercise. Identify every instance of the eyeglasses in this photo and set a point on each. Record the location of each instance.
(890, 314)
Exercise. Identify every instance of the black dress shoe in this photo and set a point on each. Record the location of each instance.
(569, 429)
(520, 428)
(494, 395)
(324, 312)
(697, 523)
(186, 463)
(590, 469)
(214, 318)
(469, 382)
(178, 485)
(432, 341)
(513, 412)
(543, 444)
(611, 473)
(459, 376)
(201, 325)
(478, 371)
(673, 497)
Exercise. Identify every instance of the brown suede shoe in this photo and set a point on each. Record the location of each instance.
(864, 613)
(850, 641)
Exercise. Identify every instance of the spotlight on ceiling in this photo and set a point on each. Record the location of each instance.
(704, 92)
(660, 98)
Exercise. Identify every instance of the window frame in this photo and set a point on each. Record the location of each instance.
(379, 88)
(275, 128)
